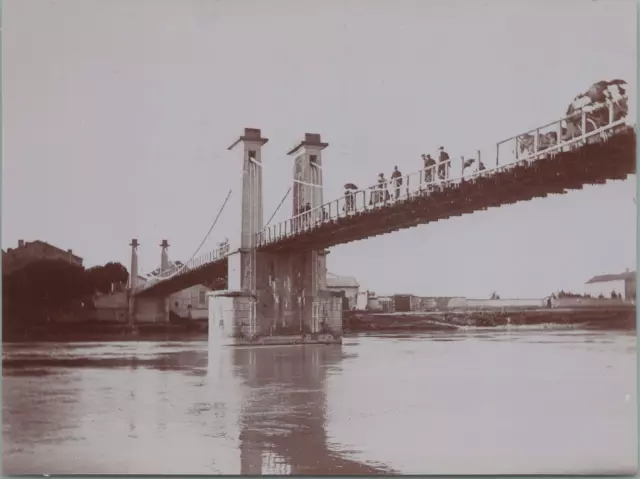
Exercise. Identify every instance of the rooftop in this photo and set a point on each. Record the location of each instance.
(335, 281)
(25, 244)
(605, 278)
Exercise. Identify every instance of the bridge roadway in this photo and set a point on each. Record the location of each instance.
(211, 272)
(604, 155)
(594, 163)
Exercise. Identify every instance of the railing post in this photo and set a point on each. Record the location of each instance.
(536, 139)
(498, 154)
(610, 103)
(584, 123)
(559, 133)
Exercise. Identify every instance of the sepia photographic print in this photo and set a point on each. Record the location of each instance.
(338, 237)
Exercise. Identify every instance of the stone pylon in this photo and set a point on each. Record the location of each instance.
(307, 271)
(133, 279)
(144, 309)
(164, 266)
(233, 312)
(273, 297)
(164, 256)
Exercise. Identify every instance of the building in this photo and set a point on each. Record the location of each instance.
(192, 302)
(604, 284)
(194, 298)
(27, 252)
(344, 284)
(110, 307)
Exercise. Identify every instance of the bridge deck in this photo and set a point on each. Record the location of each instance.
(212, 274)
(563, 161)
(597, 162)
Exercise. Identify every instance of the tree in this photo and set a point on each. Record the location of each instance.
(46, 287)
(101, 277)
(42, 288)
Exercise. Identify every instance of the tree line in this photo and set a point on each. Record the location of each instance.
(44, 288)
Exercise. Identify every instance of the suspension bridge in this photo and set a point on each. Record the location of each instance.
(276, 271)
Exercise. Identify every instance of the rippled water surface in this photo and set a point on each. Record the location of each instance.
(472, 402)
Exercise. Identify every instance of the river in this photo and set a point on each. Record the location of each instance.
(467, 402)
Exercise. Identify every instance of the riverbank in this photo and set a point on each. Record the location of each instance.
(611, 318)
(623, 318)
(93, 331)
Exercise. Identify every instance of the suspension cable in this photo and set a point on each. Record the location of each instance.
(278, 208)
(184, 265)
(212, 226)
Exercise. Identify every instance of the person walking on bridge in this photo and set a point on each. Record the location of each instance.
(349, 195)
(443, 163)
(306, 222)
(429, 168)
(379, 193)
(396, 177)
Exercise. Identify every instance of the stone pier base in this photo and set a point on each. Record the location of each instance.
(235, 320)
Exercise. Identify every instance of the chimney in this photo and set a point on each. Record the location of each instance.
(70, 251)
(20, 243)
(312, 138)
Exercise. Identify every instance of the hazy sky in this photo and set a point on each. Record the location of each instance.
(117, 115)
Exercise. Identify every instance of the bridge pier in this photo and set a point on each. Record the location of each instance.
(293, 299)
(275, 298)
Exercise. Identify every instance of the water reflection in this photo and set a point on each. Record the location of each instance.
(439, 403)
(283, 418)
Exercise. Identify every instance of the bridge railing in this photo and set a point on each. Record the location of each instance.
(592, 123)
(381, 194)
(193, 264)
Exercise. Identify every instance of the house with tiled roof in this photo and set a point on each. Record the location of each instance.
(27, 252)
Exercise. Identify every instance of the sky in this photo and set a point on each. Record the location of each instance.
(117, 116)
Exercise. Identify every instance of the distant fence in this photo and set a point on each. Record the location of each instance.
(495, 303)
(589, 303)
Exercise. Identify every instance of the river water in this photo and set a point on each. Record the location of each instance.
(474, 402)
